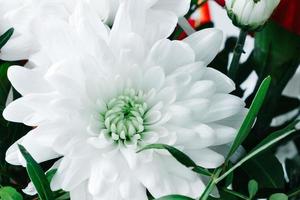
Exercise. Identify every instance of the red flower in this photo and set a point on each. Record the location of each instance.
(287, 15)
(221, 2)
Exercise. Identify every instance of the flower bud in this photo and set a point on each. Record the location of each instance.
(250, 14)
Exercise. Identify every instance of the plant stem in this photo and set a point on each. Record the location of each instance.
(211, 185)
(238, 50)
(252, 154)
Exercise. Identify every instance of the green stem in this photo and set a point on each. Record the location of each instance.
(294, 193)
(252, 154)
(238, 50)
(211, 185)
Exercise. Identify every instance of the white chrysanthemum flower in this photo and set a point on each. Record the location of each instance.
(107, 9)
(25, 16)
(116, 93)
(20, 14)
(250, 14)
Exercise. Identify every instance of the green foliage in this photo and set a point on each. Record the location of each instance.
(37, 176)
(180, 157)
(250, 118)
(174, 197)
(258, 168)
(5, 85)
(9, 193)
(5, 37)
(252, 188)
(263, 146)
(279, 196)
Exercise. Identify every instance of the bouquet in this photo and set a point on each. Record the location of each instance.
(149, 99)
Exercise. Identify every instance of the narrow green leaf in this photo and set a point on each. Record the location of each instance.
(274, 138)
(211, 185)
(50, 174)
(180, 157)
(294, 193)
(258, 168)
(252, 188)
(37, 176)
(279, 196)
(264, 145)
(174, 197)
(65, 196)
(4, 84)
(5, 37)
(250, 118)
(9, 193)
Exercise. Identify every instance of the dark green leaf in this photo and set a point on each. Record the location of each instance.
(37, 176)
(174, 197)
(252, 188)
(287, 104)
(50, 174)
(5, 37)
(262, 146)
(293, 171)
(258, 168)
(250, 118)
(230, 194)
(180, 157)
(274, 138)
(4, 84)
(294, 194)
(65, 196)
(279, 196)
(9, 193)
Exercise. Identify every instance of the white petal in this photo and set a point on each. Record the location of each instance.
(70, 173)
(206, 44)
(25, 48)
(153, 79)
(33, 78)
(81, 192)
(223, 106)
(180, 7)
(206, 158)
(223, 83)
(170, 55)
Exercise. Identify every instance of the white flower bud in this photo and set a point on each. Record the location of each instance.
(250, 14)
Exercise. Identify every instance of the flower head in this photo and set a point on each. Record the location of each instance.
(117, 91)
(28, 16)
(250, 14)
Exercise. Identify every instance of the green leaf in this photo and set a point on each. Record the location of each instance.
(4, 84)
(252, 188)
(294, 194)
(5, 37)
(9, 193)
(50, 174)
(211, 185)
(264, 145)
(250, 118)
(229, 194)
(37, 176)
(180, 157)
(174, 197)
(64, 196)
(274, 138)
(258, 168)
(279, 196)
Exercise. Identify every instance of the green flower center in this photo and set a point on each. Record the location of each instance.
(124, 116)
